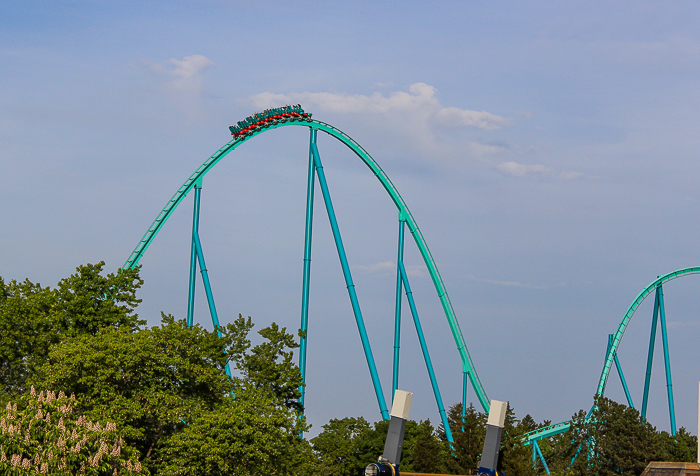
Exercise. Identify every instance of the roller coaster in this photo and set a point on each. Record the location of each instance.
(270, 119)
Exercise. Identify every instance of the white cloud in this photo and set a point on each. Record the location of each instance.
(480, 149)
(389, 267)
(520, 170)
(515, 284)
(419, 106)
(454, 116)
(184, 74)
(570, 175)
(382, 267)
(190, 66)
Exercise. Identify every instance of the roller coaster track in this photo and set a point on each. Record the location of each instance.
(404, 213)
(552, 430)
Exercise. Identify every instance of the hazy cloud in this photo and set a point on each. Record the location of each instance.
(515, 284)
(413, 117)
(420, 102)
(389, 267)
(381, 267)
(519, 170)
(570, 175)
(184, 74)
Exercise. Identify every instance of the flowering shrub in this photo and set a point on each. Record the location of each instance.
(44, 435)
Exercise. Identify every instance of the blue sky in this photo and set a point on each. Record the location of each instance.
(548, 151)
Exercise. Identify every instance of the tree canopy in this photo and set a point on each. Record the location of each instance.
(157, 400)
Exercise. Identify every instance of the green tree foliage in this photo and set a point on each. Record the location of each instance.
(346, 446)
(515, 457)
(341, 447)
(682, 447)
(33, 318)
(165, 385)
(425, 453)
(468, 433)
(615, 440)
(269, 365)
(249, 435)
(46, 434)
(86, 301)
(26, 333)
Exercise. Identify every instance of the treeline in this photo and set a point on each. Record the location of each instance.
(88, 389)
(78, 353)
(614, 441)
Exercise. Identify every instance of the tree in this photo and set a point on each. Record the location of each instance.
(341, 447)
(615, 440)
(249, 435)
(25, 331)
(468, 433)
(149, 382)
(270, 365)
(165, 384)
(426, 453)
(86, 301)
(33, 318)
(515, 457)
(46, 434)
(682, 447)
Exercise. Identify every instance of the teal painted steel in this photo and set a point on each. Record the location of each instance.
(624, 382)
(465, 380)
(207, 289)
(171, 205)
(539, 453)
(650, 355)
(545, 432)
(308, 229)
(193, 256)
(622, 375)
(349, 284)
(551, 430)
(628, 316)
(667, 361)
(397, 315)
(426, 354)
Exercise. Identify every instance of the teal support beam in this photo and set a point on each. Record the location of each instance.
(397, 316)
(667, 362)
(193, 254)
(349, 284)
(465, 383)
(311, 182)
(623, 381)
(426, 355)
(650, 355)
(539, 453)
(207, 289)
(620, 373)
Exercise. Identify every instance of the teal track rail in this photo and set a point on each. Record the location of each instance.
(551, 430)
(172, 204)
(609, 360)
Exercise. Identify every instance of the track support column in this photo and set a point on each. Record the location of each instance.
(311, 182)
(619, 372)
(667, 361)
(536, 447)
(426, 355)
(349, 283)
(465, 383)
(397, 317)
(193, 254)
(650, 355)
